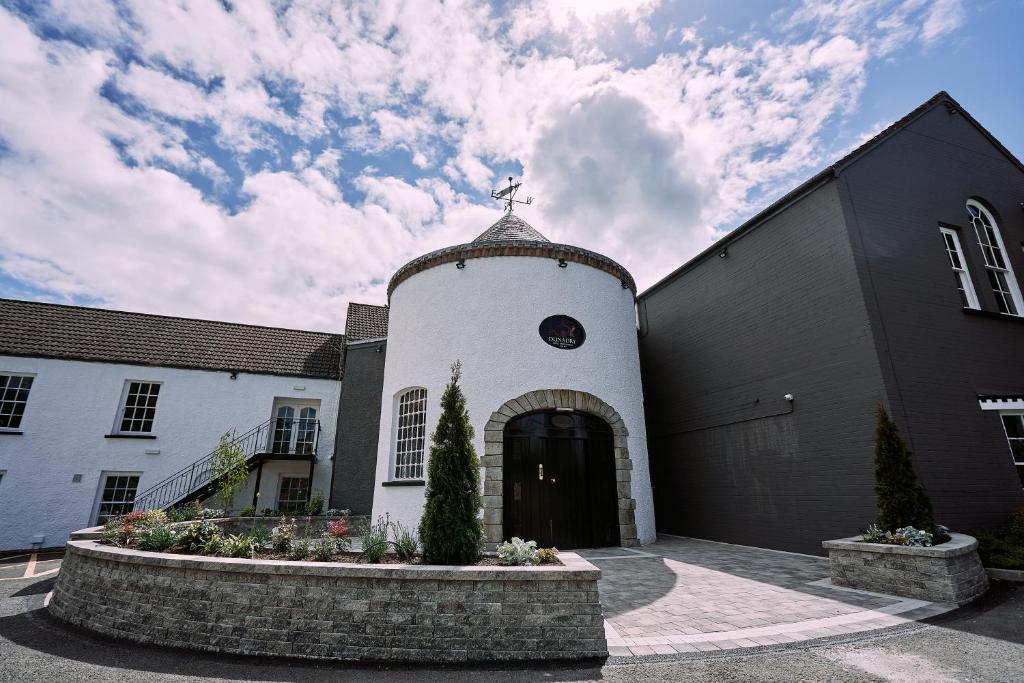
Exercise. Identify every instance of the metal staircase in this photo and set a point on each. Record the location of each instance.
(278, 438)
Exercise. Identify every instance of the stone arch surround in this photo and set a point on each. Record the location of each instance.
(549, 399)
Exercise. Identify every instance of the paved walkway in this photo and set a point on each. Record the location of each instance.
(685, 595)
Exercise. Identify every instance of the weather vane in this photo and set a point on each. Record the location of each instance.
(509, 195)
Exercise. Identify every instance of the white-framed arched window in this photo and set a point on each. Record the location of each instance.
(997, 266)
(410, 433)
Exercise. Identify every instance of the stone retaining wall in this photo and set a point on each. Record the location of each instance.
(950, 572)
(334, 610)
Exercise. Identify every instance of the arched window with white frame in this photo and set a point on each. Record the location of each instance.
(997, 266)
(410, 433)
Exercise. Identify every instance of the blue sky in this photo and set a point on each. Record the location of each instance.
(269, 163)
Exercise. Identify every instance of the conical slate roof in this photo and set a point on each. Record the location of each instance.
(510, 227)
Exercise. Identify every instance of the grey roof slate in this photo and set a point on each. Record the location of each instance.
(508, 228)
(41, 330)
(366, 321)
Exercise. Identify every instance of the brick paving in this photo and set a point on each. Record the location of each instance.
(688, 595)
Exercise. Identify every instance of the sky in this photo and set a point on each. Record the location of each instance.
(269, 162)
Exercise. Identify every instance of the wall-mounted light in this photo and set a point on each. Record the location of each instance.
(562, 263)
(234, 375)
(723, 253)
(789, 397)
(460, 264)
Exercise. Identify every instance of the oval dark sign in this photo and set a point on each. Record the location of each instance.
(562, 332)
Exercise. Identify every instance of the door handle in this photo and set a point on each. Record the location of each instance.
(540, 471)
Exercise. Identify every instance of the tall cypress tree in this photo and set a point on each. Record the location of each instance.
(450, 528)
(901, 499)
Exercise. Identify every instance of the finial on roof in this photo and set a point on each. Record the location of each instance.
(509, 194)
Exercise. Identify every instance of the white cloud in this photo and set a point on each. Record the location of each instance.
(646, 164)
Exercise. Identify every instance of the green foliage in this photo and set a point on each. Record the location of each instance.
(450, 528)
(213, 545)
(281, 535)
(249, 511)
(114, 533)
(374, 539)
(1003, 548)
(185, 513)
(239, 545)
(270, 512)
(323, 548)
(157, 538)
(902, 501)
(315, 505)
(404, 540)
(298, 549)
(228, 468)
(336, 512)
(198, 534)
(518, 552)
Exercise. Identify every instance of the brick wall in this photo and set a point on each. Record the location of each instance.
(307, 609)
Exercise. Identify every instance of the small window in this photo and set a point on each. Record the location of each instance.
(117, 496)
(292, 498)
(1013, 423)
(139, 407)
(968, 298)
(997, 267)
(410, 433)
(13, 398)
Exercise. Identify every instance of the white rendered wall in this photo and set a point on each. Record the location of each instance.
(73, 404)
(487, 315)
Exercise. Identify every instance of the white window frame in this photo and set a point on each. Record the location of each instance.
(104, 475)
(1017, 463)
(963, 275)
(990, 265)
(123, 407)
(21, 376)
(409, 441)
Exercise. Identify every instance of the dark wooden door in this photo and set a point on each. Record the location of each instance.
(559, 481)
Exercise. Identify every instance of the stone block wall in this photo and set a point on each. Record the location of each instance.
(950, 572)
(334, 611)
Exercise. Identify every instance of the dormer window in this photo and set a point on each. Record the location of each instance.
(1000, 275)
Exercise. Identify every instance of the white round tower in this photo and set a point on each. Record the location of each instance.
(546, 334)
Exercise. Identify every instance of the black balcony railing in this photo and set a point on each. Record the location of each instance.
(278, 437)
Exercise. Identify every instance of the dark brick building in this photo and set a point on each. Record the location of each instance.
(891, 276)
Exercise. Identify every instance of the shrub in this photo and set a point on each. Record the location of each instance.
(324, 548)
(228, 468)
(374, 539)
(186, 513)
(1003, 547)
(270, 512)
(298, 549)
(212, 513)
(157, 538)
(239, 545)
(198, 534)
(335, 512)
(213, 545)
(908, 536)
(315, 506)
(404, 540)
(281, 535)
(902, 501)
(450, 528)
(547, 555)
(518, 552)
(249, 511)
(116, 532)
(338, 528)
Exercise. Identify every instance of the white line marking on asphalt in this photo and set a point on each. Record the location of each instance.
(30, 569)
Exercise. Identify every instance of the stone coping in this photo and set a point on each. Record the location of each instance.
(1016, 575)
(573, 566)
(96, 532)
(958, 544)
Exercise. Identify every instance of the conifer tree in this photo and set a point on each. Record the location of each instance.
(901, 499)
(450, 528)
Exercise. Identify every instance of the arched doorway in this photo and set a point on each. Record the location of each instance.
(560, 481)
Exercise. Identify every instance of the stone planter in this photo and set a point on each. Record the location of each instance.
(950, 572)
(334, 610)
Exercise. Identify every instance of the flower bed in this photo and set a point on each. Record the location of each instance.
(950, 572)
(333, 610)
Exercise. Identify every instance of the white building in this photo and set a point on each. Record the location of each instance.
(97, 407)
(546, 334)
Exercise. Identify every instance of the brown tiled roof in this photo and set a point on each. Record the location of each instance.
(29, 328)
(366, 321)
